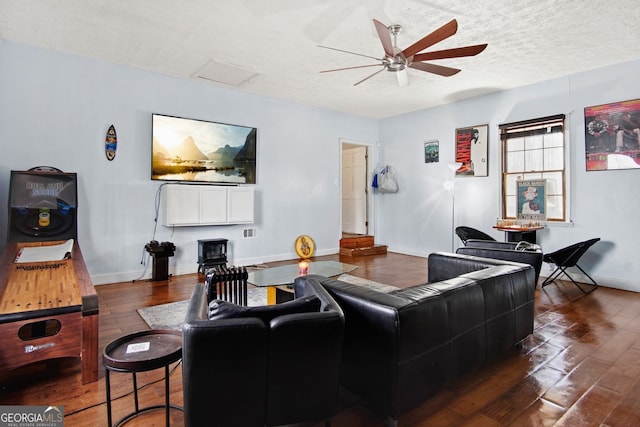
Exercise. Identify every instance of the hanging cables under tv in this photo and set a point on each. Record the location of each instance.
(145, 254)
(157, 209)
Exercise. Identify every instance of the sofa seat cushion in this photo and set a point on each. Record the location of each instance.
(226, 310)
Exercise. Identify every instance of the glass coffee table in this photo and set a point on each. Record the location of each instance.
(285, 275)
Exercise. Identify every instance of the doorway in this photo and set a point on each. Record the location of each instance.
(357, 211)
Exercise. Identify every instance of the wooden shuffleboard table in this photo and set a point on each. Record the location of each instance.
(47, 310)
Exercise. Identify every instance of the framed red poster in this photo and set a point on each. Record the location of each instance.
(612, 135)
(471, 150)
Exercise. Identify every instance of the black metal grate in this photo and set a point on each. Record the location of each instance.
(227, 284)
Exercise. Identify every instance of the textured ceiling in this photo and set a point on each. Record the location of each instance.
(271, 47)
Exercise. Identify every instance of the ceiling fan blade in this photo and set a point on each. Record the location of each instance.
(447, 30)
(450, 53)
(351, 53)
(350, 68)
(385, 37)
(368, 77)
(435, 69)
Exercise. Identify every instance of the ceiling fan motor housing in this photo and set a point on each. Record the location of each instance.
(396, 63)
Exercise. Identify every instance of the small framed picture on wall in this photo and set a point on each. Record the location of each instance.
(471, 150)
(432, 151)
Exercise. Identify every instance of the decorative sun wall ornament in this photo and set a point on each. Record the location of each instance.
(305, 246)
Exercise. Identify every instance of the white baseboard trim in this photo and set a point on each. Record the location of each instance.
(191, 268)
(605, 281)
(402, 251)
(280, 257)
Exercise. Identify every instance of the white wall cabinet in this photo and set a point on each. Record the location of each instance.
(187, 205)
(240, 205)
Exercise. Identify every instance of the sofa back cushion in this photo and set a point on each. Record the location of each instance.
(226, 310)
(533, 258)
(444, 266)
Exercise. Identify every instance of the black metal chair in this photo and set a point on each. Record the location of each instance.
(568, 257)
(467, 233)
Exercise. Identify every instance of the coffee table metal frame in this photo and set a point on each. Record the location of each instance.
(167, 349)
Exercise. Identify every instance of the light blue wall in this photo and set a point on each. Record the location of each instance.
(604, 204)
(55, 110)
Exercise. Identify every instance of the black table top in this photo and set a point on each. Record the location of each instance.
(143, 351)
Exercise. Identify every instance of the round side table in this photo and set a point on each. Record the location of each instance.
(139, 352)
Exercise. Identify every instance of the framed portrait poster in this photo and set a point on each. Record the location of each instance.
(532, 199)
(432, 151)
(471, 150)
(612, 135)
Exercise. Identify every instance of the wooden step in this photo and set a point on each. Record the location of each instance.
(371, 250)
(356, 241)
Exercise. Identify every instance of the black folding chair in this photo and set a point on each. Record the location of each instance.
(468, 233)
(569, 257)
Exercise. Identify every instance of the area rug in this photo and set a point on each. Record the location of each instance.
(165, 316)
(171, 315)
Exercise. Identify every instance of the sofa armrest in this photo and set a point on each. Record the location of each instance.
(197, 309)
(444, 265)
(312, 286)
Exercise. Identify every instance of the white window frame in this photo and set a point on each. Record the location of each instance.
(537, 134)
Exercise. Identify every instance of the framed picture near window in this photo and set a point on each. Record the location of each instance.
(471, 150)
(432, 151)
(612, 135)
(532, 199)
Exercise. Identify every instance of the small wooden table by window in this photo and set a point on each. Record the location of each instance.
(139, 352)
(519, 233)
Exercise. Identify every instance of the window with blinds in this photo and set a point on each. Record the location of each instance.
(534, 149)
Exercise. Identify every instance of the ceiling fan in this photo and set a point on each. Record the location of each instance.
(397, 60)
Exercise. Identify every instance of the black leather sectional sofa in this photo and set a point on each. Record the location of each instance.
(401, 348)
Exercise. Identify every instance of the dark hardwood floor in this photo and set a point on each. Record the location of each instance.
(581, 367)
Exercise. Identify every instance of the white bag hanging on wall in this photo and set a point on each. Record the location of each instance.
(387, 182)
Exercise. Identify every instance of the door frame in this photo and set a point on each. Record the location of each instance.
(372, 155)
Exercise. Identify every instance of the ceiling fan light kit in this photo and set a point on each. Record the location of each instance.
(396, 60)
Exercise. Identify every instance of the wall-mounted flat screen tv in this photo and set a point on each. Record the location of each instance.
(192, 150)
